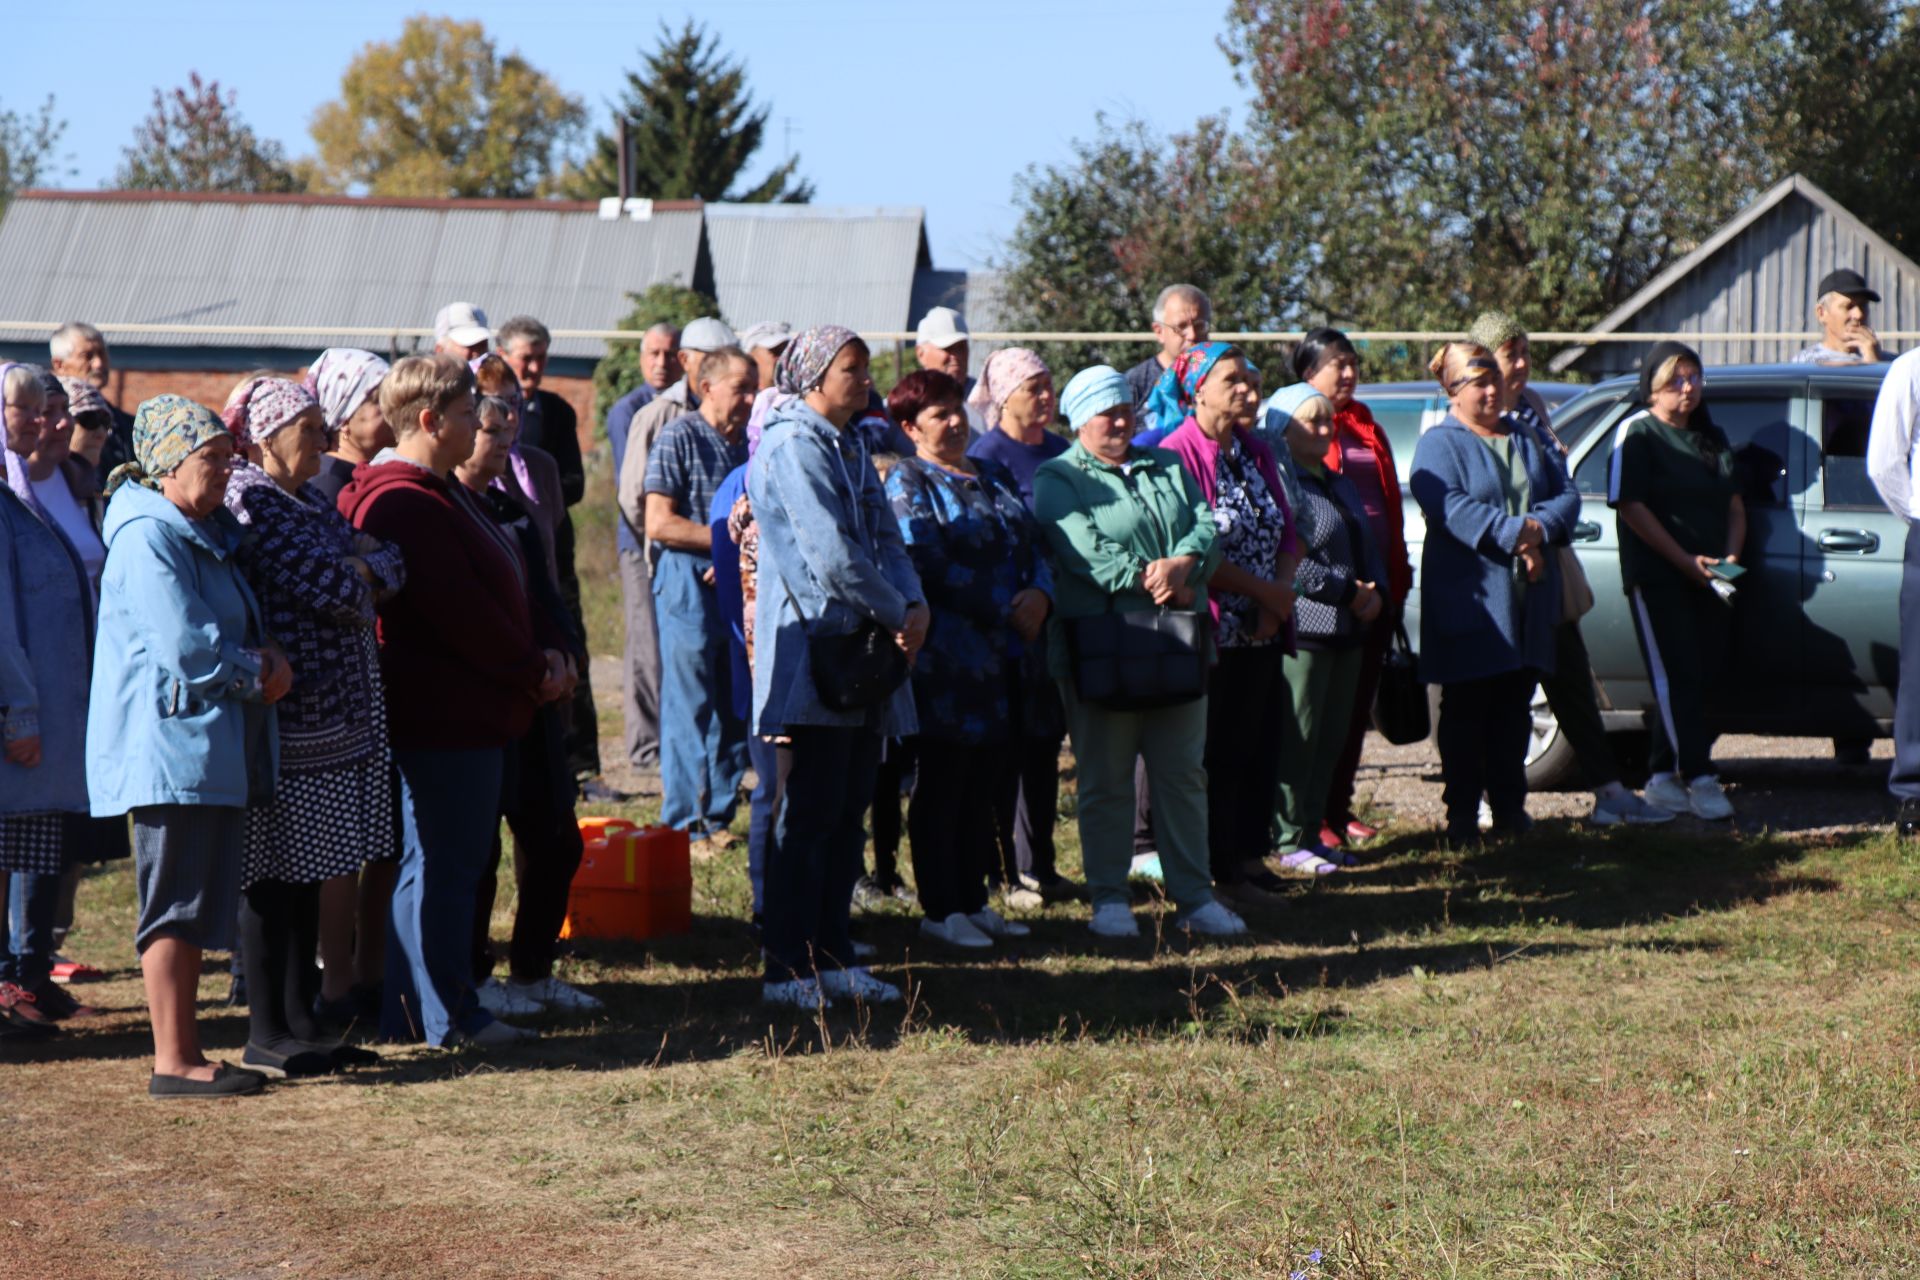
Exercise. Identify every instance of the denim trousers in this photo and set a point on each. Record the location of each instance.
(815, 853)
(760, 810)
(1904, 780)
(449, 809)
(26, 928)
(703, 744)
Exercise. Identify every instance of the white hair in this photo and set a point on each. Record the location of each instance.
(64, 339)
(664, 327)
(1187, 293)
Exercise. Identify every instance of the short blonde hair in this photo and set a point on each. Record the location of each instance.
(23, 387)
(421, 384)
(1668, 368)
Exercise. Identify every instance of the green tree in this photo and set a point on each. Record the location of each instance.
(692, 127)
(28, 150)
(618, 372)
(194, 140)
(439, 112)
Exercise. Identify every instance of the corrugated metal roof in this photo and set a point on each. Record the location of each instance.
(815, 264)
(155, 258)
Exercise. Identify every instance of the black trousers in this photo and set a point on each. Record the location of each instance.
(950, 824)
(1685, 635)
(1484, 727)
(1570, 694)
(896, 761)
(279, 929)
(1245, 701)
(536, 799)
(813, 857)
(1026, 807)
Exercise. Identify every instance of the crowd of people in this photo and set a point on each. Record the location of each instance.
(302, 658)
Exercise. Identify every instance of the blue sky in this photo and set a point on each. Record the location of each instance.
(889, 103)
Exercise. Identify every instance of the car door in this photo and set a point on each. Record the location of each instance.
(1850, 580)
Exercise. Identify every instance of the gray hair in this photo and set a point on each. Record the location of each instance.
(1186, 293)
(494, 406)
(68, 335)
(667, 327)
(523, 328)
(721, 361)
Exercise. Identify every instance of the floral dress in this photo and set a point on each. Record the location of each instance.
(1251, 527)
(333, 803)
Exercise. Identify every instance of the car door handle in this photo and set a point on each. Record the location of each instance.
(1858, 541)
(1586, 531)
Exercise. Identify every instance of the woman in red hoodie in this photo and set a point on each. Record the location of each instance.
(464, 673)
(1327, 361)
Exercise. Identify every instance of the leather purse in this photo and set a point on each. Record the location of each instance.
(1576, 593)
(1400, 710)
(856, 670)
(1140, 660)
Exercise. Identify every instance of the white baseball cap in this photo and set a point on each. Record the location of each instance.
(942, 327)
(707, 334)
(463, 324)
(771, 334)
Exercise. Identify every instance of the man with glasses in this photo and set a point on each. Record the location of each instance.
(1182, 316)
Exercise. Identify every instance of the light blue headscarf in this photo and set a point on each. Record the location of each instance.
(1091, 392)
(1282, 405)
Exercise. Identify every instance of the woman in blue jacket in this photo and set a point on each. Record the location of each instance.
(179, 733)
(1489, 590)
(46, 619)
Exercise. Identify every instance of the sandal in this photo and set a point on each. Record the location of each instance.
(1309, 861)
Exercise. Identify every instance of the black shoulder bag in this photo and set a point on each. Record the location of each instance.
(1400, 710)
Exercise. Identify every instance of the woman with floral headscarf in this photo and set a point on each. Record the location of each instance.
(1127, 531)
(1251, 598)
(179, 733)
(317, 580)
(832, 562)
(346, 382)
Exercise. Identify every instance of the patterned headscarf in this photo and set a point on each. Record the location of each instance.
(166, 429)
(803, 365)
(1191, 367)
(83, 398)
(1091, 392)
(260, 407)
(1495, 329)
(342, 379)
(1006, 371)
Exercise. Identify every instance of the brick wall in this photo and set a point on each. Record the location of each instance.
(128, 387)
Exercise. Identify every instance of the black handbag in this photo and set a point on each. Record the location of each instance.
(1140, 660)
(1400, 710)
(857, 670)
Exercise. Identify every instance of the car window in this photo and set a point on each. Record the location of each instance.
(1399, 417)
(1846, 418)
(1573, 427)
(1756, 424)
(1590, 477)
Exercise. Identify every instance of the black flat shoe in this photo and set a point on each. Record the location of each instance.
(307, 1060)
(352, 1055)
(228, 1081)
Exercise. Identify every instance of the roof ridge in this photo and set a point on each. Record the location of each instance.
(341, 201)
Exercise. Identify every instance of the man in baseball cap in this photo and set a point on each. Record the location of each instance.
(941, 343)
(1841, 309)
(461, 329)
(636, 579)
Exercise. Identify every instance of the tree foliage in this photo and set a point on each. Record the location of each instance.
(1404, 163)
(194, 140)
(439, 112)
(618, 372)
(29, 144)
(693, 130)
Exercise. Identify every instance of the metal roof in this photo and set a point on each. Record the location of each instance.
(817, 264)
(303, 260)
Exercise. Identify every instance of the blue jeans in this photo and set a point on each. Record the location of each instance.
(760, 809)
(450, 809)
(703, 744)
(817, 847)
(1904, 781)
(26, 928)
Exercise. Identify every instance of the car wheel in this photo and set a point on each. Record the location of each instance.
(1550, 762)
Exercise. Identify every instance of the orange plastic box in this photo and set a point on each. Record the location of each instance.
(634, 882)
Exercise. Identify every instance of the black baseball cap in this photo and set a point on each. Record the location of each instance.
(1848, 281)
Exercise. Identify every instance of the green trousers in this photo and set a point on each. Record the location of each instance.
(1314, 720)
(1172, 741)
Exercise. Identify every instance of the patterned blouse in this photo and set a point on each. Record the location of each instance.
(1251, 527)
(976, 546)
(321, 613)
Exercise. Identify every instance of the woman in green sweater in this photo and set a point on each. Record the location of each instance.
(1127, 530)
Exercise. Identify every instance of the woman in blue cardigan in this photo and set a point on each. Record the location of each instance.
(1489, 588)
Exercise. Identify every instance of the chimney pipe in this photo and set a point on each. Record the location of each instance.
(626, 158)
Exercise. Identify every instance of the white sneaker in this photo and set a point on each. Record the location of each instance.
(555, 994)
(501, 1002)
(858, 984)
(1211, 920)
(1114, 920)
(995, 925)
(1707, 800)
(795, 993)
(1611, 811)
(1021, 898)
(494, 1035)
(956, 931)
(1665, 791)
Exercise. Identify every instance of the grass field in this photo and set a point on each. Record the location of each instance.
(1669, 1054)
